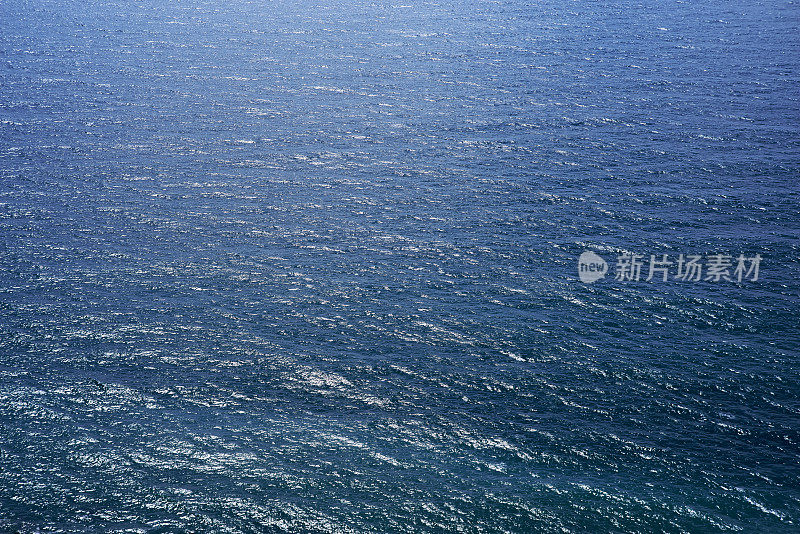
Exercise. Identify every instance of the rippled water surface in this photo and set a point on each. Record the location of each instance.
(312, 266)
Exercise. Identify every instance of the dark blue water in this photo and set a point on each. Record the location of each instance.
(312, 266)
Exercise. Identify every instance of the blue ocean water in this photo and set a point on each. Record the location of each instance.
(282, 266)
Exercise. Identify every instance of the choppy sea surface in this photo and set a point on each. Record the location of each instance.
(312, 266)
